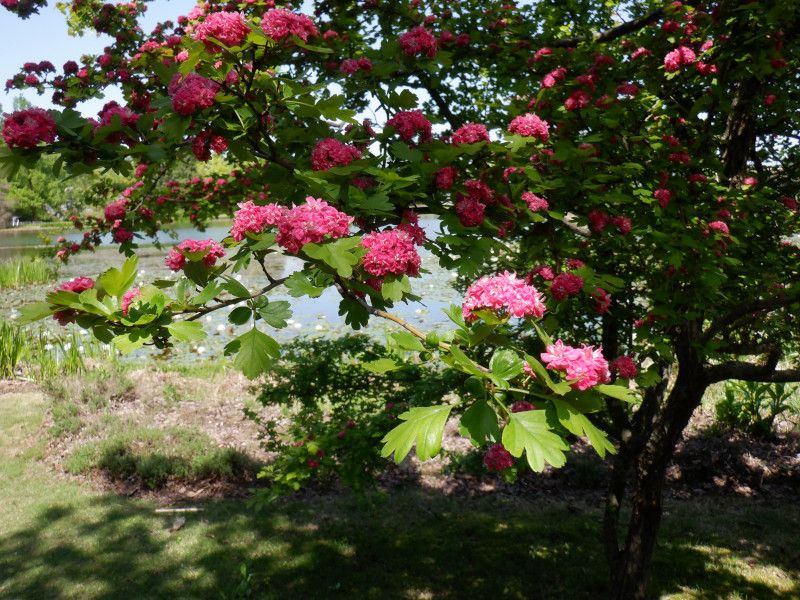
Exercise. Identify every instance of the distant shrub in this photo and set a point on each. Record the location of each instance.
(750, 407)
(334, 412)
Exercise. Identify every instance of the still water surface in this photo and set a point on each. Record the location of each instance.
(311, 316)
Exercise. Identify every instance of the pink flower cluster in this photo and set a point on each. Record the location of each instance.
(128, 297)
(534, 202)
(175, 260)
(497, 458)
(409, 123)
(446, 177)
(350, 66)
(584, 364)
(680, 56)
(26, 128)
(390, 251)
(115, 210)
(253, 218)
(310, 223)
(625, 366)
(504, 294)
(191, 93)
(530, 125)
(330, 153)
(472, 133)
(77, 285)
(227, 27)
(469, 210)
(603, 300)
(566, 284)
(279, 23)
(418, 41)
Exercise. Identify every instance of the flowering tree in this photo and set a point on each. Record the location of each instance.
(617, 176)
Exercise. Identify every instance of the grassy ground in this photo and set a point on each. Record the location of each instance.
(63, 540)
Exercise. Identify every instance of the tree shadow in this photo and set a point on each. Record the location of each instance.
(410, 544)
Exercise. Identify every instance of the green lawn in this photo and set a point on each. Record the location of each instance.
(61, 540)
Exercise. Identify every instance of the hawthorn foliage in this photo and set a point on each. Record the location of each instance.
(631, 162)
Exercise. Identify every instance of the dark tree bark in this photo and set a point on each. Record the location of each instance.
(655, 430)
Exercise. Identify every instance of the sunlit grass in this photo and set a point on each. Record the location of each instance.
(18, 272)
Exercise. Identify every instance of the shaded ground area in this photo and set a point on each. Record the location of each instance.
(708, 461)
(537, 539)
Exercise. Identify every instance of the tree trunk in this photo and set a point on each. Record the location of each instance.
(648, 453)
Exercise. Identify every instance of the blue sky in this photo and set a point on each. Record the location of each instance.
(44, 37)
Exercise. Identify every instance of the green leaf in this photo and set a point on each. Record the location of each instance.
(616, 391)
(339, 254)
(383, 365)
(255, 352)
(528, 431)
(466, 364)
(116, 282)
(408, 341)
(506, 364)
(423, 425)
(479, 423)
(578, 424)
(235, 288)
(33, 312)
(354, 313)
(299, 285)
(187, 331)
(133, 340)
(541, 373)
(456, 315)
(394, 287)
(240, 315)
(275, 313)
(208, 292)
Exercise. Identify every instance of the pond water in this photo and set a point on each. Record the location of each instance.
(311, 317)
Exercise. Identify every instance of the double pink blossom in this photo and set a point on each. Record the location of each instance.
(191, 93)
(310, 223)
(229, 28)
(280, 23)
(331, 153)
(176, 261)
(390, 251)
(418, 41)
(27, 128)
(503, 294)
(472, 133)
(409, 123)
(252, 218)
(497, 458)
(585, 366)
(530, 125)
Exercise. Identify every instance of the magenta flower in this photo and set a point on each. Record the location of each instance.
(497, 458)
(227, 27)
(390, 251)
(280, 23)
(27, 128)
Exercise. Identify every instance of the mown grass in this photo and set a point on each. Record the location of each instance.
(61, 540)
(157, 455)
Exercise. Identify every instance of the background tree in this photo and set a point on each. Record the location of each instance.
(634, 160)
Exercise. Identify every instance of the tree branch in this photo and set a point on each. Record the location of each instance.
(742, 310)
(613, 33)
(750, 372)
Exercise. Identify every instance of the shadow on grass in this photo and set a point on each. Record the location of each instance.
(412, 544)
